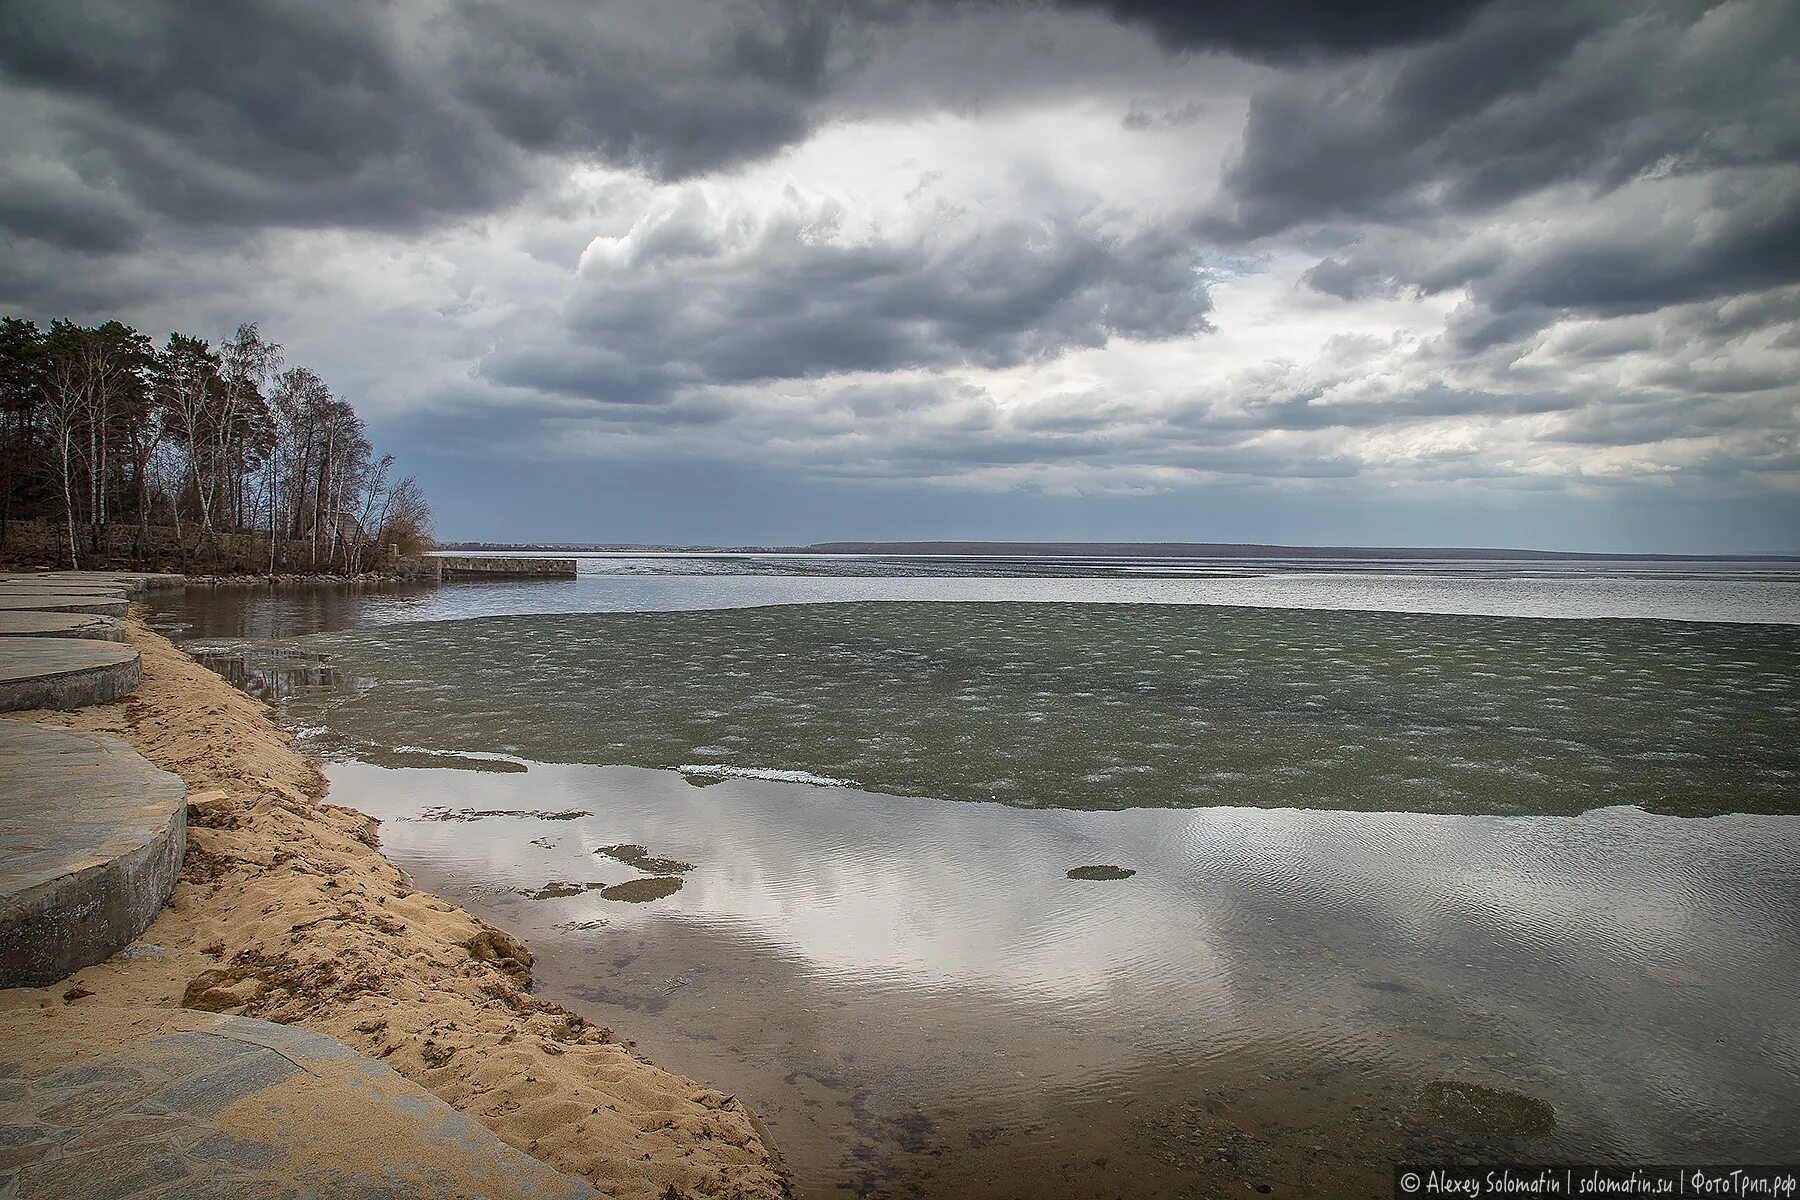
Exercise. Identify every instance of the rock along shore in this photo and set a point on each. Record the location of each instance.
(286, 911)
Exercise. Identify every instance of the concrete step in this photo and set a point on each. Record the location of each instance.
(64, 672)
(135, 582)
(105, 604)
(91, 841)
(74, 625)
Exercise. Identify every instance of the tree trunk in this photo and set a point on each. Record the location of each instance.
(69, 501)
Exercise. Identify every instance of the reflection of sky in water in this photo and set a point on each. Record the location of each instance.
(1605, 951)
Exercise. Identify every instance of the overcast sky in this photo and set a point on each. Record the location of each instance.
(1413, 272)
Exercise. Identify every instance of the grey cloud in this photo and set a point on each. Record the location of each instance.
(1473, 328)
(1349, 280)
(1750, 241)
(1745, 243)
(674, 88)
(1643, 420)
(61, 210)
(1527, 96)
(265, 113)
(699, 296)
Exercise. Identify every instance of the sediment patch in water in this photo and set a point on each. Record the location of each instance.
(559, 889)
(1486, 1112)
(641, 891)
(643, 860)
(1105, 871)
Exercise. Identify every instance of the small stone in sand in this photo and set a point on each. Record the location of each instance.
(1107, 871)
(638, 891)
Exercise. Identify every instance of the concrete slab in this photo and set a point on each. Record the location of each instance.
(207, 1105)
(89, 602)
(72, 587)
(134, 582)
(91, 841)
(61, 672)
(75, 625)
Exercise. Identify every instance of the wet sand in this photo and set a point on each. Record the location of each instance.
(287, 911)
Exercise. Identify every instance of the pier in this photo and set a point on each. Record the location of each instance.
(475, 566)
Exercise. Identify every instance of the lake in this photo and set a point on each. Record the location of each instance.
(1371, 861)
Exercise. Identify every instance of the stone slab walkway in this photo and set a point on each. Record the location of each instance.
(91, 839)
(206, 1107)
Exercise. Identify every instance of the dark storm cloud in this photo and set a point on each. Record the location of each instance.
(1285, 29)
(700, 295)
(63, 211)
(257, 113)
(1740, 237)
(282, 112)
(1750, 242)
(681, 89)
(1527, 96)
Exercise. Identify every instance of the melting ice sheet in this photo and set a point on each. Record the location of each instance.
(1110, 706)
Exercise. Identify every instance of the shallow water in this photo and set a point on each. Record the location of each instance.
(1575, 881)
(917, 1000)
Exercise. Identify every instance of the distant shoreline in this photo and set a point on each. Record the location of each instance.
(1207, 550)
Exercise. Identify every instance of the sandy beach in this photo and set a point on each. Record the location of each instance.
(286, 910)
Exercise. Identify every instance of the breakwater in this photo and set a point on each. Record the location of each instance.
(449, 566)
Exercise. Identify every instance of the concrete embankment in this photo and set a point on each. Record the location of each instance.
(285, 911)
(91, 834)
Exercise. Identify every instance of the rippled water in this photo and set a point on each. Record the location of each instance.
(1404, 886)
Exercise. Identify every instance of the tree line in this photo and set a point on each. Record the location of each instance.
(110, 439)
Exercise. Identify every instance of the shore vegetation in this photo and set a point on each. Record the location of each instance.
(117, 451)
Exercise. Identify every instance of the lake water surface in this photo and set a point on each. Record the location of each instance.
(1518, 880)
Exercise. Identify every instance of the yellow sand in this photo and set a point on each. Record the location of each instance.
(286, 911)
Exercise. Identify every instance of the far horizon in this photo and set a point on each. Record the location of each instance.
(981, 547)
